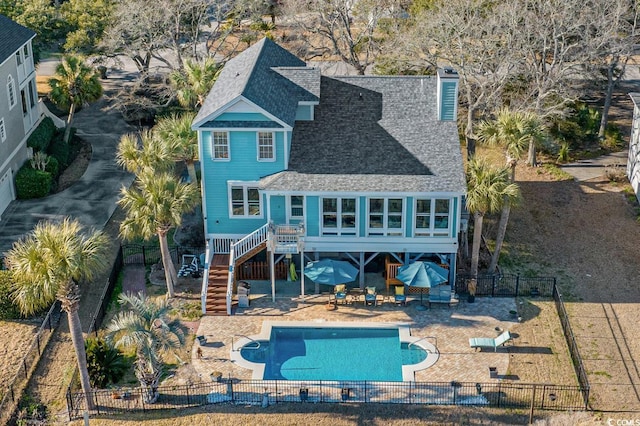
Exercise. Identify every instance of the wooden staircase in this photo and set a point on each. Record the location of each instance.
(217, 288)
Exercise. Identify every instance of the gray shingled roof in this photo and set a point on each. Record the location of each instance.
(374, 134)
(12, 37)
(221, 124)
(251, 74)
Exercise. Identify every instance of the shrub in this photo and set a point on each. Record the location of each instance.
(59, 149)
(105, 363)
(32, 183)
(8, 309)
(41, 137)
(53, 167)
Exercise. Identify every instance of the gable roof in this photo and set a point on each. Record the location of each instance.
(252, 75)
(12, 37)
(374, 134)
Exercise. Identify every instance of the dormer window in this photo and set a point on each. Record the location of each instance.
(266, 148)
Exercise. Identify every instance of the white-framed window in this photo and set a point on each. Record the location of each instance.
(220, 145)
(18, 58)
(296, 203)
(339, 216)
(266, 147)
(11, 92)
(385, 217)
(32, 94)
(3, 131)
(244, 200)
(26, 53)
(432, 217)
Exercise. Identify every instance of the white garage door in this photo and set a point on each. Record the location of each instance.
(6, 194)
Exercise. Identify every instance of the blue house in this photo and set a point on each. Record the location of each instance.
(309, 166)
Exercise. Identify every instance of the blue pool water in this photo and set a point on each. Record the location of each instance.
(296, 353)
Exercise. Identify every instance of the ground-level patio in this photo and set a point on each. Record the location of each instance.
(449, 328)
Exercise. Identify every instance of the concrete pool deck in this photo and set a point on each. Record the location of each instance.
(449, 329)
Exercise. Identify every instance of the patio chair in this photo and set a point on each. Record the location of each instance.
(400, 298)
(340, 293)
(488, 342)
(371, 296)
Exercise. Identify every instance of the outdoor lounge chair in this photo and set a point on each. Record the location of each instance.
(400, 298)
(370, 296)
(340, 293)
(488, 342)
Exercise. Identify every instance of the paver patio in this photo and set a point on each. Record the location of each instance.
(448, 328)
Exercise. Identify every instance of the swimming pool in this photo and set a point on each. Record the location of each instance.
(286, 350)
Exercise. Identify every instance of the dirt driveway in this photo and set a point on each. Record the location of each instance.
(586, 234)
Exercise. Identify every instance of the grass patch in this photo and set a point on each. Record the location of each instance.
(556, 172)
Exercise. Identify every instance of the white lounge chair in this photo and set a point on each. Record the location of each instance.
(488, 342)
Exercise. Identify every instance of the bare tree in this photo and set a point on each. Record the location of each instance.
(476, 37)
(346, 29)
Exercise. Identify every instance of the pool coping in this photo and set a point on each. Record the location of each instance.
(404, 331)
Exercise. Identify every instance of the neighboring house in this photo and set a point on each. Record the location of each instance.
(19, 111)
(351, 167)
(633, 162)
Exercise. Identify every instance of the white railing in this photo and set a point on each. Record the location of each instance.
(205, 279)
(251, 241)
(232, 261)
(222, 245)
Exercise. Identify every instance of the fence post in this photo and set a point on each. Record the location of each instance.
(69, 402)
(24, 364)
(493, 285)
(517, 284)
(533, 399)
(144, 257)
(188, 400)
(38, 343)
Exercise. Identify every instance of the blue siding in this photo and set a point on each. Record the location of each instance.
(303, 112)
(278, 209)
(362, 217)
(448, 101)
(313, 216)
(241, 167)
(241, 116)
(408, 222)
(454, 215)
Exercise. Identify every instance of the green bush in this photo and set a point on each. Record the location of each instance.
(41, 137)
(105, 363)
(53, 167)
(59, 149)
(32, 183)
(8, 310)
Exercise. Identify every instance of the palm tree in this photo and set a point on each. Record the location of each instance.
(153, 205)
(195, 81)
(147, 329)
(48, 264)
(139, 152)
(486, 188)
(74, 85)
(176, 132)
(514, 131)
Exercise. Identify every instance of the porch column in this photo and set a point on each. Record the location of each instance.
(361, 269)
(302, 274)
(452, 270)
(273, 275)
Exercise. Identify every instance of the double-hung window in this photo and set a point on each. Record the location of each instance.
(432, 217)
(11, 92)
(244, 200)
(220, 145)
(339, 216)
(266, 147)
(385, 217)
(3, 131)
(296, 203)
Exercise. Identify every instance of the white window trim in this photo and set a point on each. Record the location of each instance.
(385, 230)
(245, 186)
(11, 89)
(3, 130)
(429, 232)
(273, 147)
(213, 147)
(339, 230)
(289, 206)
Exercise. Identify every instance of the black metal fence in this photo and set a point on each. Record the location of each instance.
(105, 298)
(495, 394)
(507, 285)
(138, 254)
(581, 372)
(12, 392)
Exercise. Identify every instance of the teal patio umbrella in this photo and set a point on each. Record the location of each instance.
(422, 275)
(331, 272)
